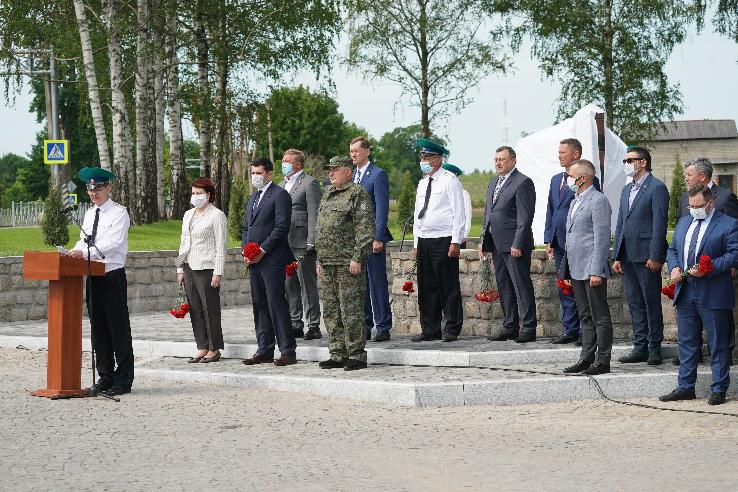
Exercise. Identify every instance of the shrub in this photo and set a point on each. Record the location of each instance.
(54, 222)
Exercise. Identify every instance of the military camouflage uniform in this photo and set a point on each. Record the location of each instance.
(343, 233)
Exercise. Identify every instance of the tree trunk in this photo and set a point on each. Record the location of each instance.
(159, 121)
(122, 143)
(607, 67)
(146, 209)
(92, 89)
(222, 148)
(204, 86)
(424, 85)
(178, 190)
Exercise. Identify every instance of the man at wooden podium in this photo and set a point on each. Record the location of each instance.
(107, 224)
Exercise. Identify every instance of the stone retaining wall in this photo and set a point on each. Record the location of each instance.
(486, 318)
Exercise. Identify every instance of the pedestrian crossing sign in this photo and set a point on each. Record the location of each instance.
(72, 199)
(56, 151)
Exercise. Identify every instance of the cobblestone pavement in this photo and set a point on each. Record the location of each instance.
(186, 437)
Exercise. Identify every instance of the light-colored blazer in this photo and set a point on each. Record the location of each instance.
(588, 238)
(306, 197)
(204, 247)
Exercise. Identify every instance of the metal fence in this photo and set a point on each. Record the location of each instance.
(29, 214)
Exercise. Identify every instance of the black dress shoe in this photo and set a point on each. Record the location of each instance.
(99, 387)
(258, 359)
(116, 390)
(634, 357)
(678, 395)
(655, 358)
(578, 343)
(214, 358)
(716, 399)
(502, 337)
(313, 334)
(298, 334)
(526, 338)
(353, 365)
(564, 339)
(578, 367)
(382, 336)
(424, 338)
(450, 337)
(596, 369)
(331, 364)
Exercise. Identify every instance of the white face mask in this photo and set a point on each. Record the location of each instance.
(629, 169)
(199, 201)
(699, 213)
(257, 180)
(571, 183)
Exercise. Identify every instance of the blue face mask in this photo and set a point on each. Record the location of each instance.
(425, 168)
(286, 168)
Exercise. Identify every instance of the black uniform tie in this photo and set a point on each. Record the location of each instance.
(94, 225)
(427, 198)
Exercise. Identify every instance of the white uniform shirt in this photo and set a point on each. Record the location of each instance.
(112, 235)
(290, 182)
(204, 240)
(445, 215)
(468, 212)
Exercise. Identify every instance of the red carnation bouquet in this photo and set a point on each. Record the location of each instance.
(250, 252)
(408, 287)
(486, 293)
(291, 269)
(704, 265)
(565, 287)
(181, 308)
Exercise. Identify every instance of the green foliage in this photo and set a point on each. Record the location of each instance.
(434, 50)
(406, 201)
(622, 47)
(678, 186)
(726, 18)
(54, 222)
(21, 180)
(239, 194)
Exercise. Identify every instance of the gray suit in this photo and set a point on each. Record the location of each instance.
(507, 224)
(303, 286)
(587, 252)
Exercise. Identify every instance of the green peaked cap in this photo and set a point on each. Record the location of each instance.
(95, 175)
(431, 147)
(450, 167)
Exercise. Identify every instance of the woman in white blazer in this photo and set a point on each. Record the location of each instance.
(200, 264)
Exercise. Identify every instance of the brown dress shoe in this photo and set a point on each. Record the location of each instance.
(286, 360)
(258, 359)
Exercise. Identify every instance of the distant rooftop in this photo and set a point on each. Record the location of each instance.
(696, 130)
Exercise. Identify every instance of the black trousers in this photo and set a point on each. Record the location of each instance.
(594, 313)
(107, 307)
(439, 291)
(271, 310)
(204, 301)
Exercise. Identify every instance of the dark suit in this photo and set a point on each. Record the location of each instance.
(376, 302)
(507, 224)
(705, 302)
(640, 235)
(269, 224)
(726, 202)
(557, 210)
(303, 286)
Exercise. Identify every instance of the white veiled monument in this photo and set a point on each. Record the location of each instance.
(538, 159)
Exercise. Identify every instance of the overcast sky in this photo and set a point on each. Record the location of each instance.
(704, 65)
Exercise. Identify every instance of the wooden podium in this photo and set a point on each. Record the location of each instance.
(64, 273)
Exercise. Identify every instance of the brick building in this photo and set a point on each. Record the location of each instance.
(684, 140)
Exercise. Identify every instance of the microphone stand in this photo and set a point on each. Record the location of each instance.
(91, 244)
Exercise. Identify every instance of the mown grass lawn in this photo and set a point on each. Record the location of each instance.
(151, 237)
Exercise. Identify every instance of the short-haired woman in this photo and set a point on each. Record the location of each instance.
(202, 250)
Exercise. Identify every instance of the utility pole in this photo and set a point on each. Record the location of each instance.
(27, 68)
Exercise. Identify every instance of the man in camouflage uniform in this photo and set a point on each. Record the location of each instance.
(343, 240)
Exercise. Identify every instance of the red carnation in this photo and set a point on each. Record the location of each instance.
(564, 287)
(251, 251)
(291, 269)
(489, 295)
(408, 287)
(705, 265)
(668, 290)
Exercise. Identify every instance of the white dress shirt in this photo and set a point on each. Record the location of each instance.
(261, 195)
(112, 235)
(360, 172)
(204, 239)
(578, 200)
(688, 237)
(467, 212)
(292, 180)
(445, 215)
(636, 188)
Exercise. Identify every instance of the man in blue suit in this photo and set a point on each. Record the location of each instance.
(703, 300)
(375, 182)
(266, 221)
(557, 210)
(640, 252)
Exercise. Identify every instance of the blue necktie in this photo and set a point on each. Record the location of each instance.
(691, 252)
(256, 205)
(562, 189)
